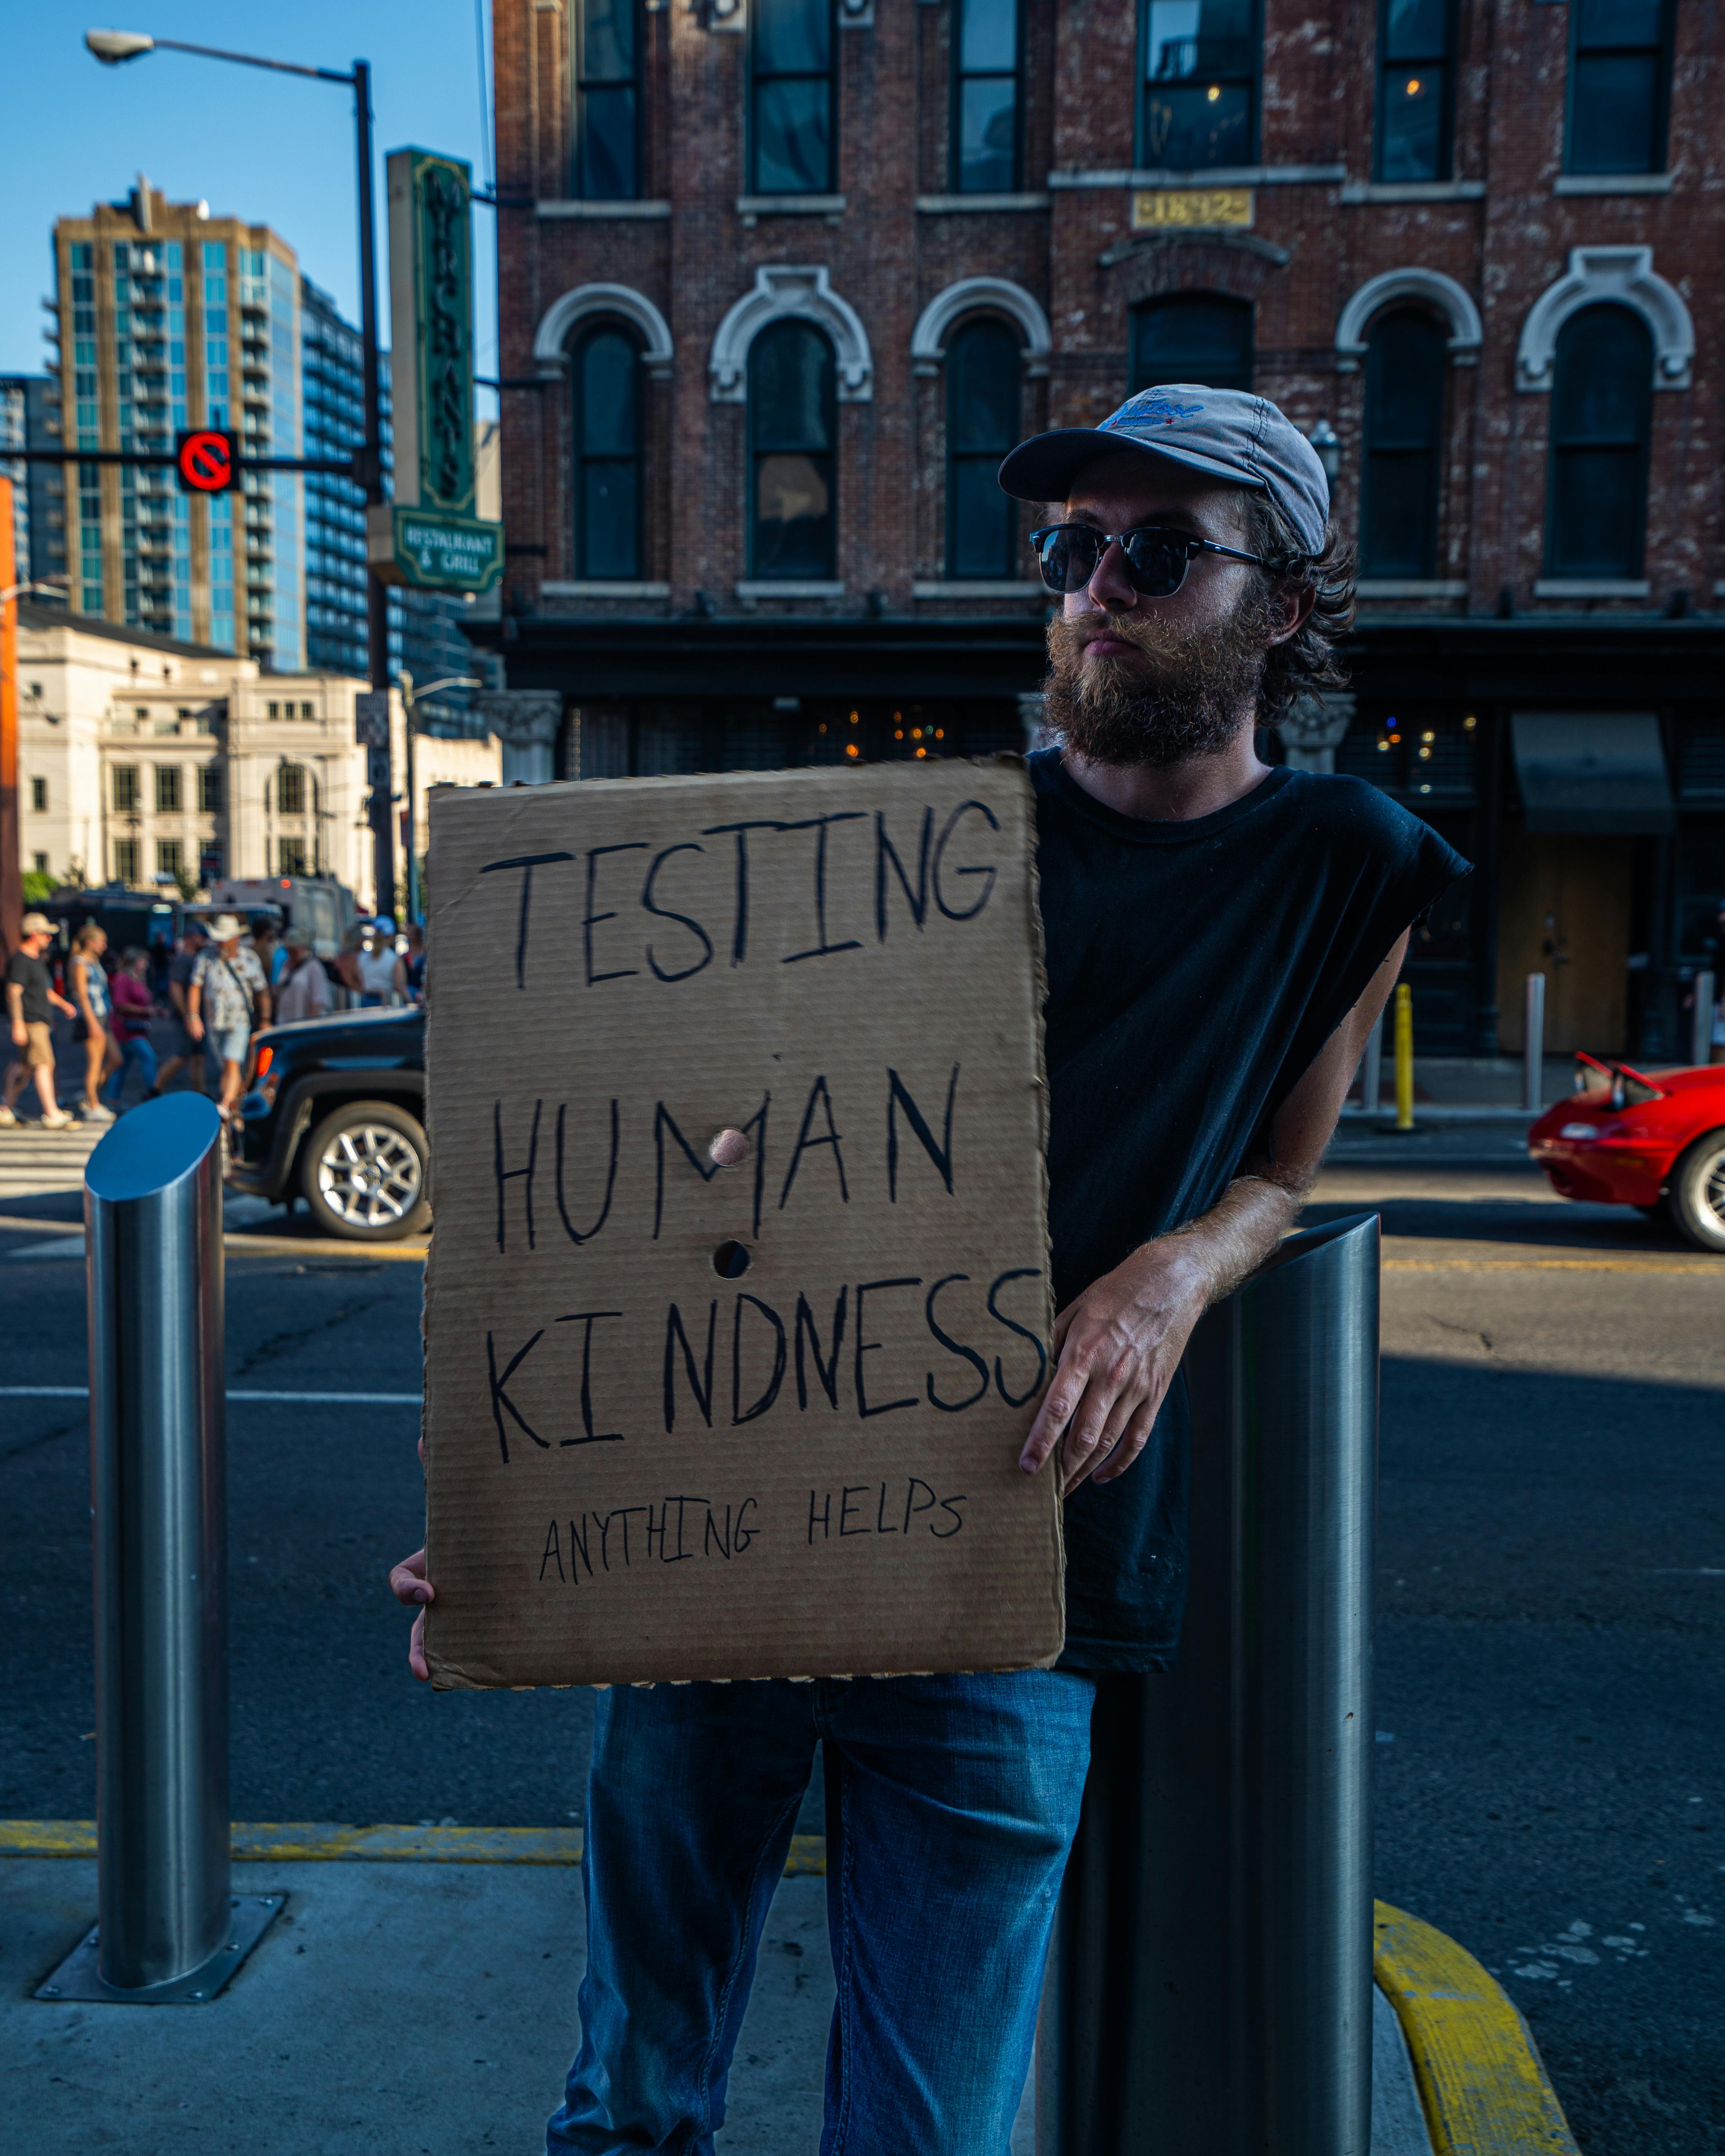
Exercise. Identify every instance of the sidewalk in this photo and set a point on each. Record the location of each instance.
(416, 1993)
(419, 2009)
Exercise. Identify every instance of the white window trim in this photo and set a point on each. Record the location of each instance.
(1431, 287)
(603, 588)
(791, 292)
(978, 295)
(751, 588)
(1626, 275)
(1593, 587)
(560, 319)
(979, 587)
(1407, 587)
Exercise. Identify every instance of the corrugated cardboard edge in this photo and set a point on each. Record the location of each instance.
(451, 1676)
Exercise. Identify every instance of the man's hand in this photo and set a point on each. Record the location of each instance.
(1116, 1349)
(194, 1026)
(408, 1583)
(20, 1038)
(56, 997)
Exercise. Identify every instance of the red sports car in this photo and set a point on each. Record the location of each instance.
(1629, 1138)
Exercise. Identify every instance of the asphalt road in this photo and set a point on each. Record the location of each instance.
(1551, 1610)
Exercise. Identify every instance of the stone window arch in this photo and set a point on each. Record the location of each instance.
(1625, 275)
(970, 296)
(783, 291)
(1452, 303)
(558, 324)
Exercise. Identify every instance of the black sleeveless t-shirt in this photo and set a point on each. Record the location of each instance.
(1195, 971)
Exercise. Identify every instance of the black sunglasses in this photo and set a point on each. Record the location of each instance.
(1157, 557)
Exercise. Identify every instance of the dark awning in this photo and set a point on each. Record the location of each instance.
(1593, 771)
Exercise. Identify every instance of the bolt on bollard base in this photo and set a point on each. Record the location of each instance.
(170, 1931)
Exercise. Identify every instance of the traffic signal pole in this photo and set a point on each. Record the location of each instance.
(377, 591)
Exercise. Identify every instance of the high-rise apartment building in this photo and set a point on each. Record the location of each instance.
(30, 420)
(169, 318)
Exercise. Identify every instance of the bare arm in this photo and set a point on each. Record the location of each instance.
(15, 1012)
(1119, 1345)
(194, 1008)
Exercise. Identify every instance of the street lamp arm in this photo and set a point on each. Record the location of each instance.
(112, 47)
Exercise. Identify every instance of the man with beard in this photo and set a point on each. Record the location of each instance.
(1220, 935)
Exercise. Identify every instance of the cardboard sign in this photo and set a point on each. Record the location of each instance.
(760, 1419)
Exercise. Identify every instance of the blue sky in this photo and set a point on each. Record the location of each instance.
(277, 150)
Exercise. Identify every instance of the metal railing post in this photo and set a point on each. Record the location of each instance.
(1210, 1993)
(168, 1929)
(1533, 1045)
(1404, 1006)
(1700, 1032)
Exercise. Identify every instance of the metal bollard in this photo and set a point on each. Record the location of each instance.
(1534, 1046)
(1404, 1057)
(1700, 1033)
(169, 1930)
(1209, 1992)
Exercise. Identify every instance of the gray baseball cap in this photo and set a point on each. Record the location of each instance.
(1227, 434)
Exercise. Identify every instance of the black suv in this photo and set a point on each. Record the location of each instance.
(336, 1116)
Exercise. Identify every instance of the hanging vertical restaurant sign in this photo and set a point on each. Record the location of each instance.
(429, 536)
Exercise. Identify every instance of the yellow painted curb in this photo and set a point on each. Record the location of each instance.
(1481, 2081)
(299, 1842)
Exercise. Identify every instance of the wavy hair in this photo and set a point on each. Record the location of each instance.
(1309, 662)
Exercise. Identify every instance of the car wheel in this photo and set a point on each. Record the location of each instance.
(363, 1172)
(1698, 1193)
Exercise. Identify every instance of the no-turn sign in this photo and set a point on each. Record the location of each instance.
(204, 459)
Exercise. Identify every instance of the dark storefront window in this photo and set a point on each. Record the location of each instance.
(1406, 360)
(608, 99)
(606, 376)
(1414, 79)
(1620, 84)
(986, 96)
(1194, 336)
(792, 427)
(1601, 414)
(982, 425)
(791, 97)
(1199, 70)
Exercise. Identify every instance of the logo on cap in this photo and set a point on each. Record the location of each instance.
(1148, 410)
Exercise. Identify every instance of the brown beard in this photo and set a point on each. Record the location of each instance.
(1188, 695)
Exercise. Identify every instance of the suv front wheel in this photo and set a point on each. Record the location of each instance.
(363, 1172)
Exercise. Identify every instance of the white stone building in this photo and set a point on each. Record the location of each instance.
(143, 760)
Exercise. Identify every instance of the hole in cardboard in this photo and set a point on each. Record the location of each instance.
(729, 1147)
(731, 1260)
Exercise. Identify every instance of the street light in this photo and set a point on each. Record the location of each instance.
(1327, 443)
(410, 697)
(113, 48)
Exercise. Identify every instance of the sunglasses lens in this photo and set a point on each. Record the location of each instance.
(1068, 558)
(1158, 562)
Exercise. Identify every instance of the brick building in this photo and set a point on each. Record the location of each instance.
(780, 279)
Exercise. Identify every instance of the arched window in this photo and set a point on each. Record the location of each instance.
(982, 425)
(1601, 411)
(1194, 336)
(1405, 369)
(607, 378)
(792, 494)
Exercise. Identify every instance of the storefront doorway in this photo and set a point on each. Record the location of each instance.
(1565, 913)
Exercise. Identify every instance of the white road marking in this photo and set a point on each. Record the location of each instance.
(303, 1399)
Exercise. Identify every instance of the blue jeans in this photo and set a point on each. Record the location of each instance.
(959, 1800)
(138, 1051)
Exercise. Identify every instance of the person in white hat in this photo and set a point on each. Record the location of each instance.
(30, 996)
(229, 998)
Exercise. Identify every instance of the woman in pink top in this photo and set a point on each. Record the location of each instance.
(133, 1007)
